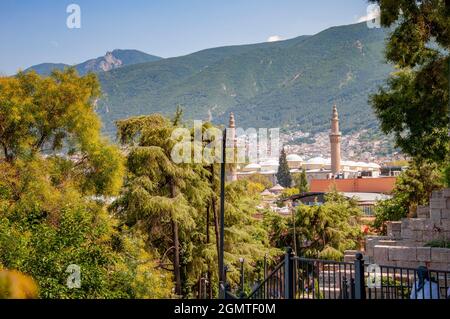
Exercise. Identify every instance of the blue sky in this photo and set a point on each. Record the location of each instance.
(35, 31)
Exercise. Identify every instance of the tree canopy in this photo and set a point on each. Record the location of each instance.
(413, 106)
(56, 170)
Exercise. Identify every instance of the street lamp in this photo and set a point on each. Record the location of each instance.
(241, 260)
(222, 210)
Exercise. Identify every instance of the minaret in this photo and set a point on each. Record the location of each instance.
(335, 141)
(232, 145)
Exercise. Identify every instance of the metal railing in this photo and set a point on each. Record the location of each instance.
(303, 278)
(273, 286)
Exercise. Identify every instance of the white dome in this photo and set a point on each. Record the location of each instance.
(374, 165)
(361, 164)
(317, 161)
(252, 166)
(271, 162)
(294, 158)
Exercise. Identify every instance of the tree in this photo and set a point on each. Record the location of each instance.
(284, 175)
(56, 114)
(54, 160)
(261, 179)
(147, 203)
(301, 181)
(414, 104)
(326, 231)
(413, 187)
(160, 195)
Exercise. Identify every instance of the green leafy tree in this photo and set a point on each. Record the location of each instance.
(413, 187)
(54, 161)
(160, 194)
(301, 181)
(261, 179)
(326, 231)
(284, 175)
(187, 217)
(414, 104)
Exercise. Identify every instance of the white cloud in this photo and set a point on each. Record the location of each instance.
(274, 38)
(373, 12)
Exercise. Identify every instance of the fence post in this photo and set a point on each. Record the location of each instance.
(360, 286)
(289, 274)
(224, 285)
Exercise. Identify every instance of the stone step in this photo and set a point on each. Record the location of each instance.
(423, 211)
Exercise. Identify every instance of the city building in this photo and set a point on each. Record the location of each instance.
(316, 168)
(381, 185)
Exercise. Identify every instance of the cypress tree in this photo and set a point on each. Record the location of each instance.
(284, 175)
(301, 182)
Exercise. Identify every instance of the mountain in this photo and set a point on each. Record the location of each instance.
(111, 60)
(47, 68)
(291, 84)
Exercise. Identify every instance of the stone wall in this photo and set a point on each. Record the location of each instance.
(412, 257)
(404, 244)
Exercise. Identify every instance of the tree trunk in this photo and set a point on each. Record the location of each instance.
(176, 243)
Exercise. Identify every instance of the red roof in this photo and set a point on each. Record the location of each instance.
(383, 185)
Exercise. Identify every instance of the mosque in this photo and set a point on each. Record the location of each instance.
(317, 168)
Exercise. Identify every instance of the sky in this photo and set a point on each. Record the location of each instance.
(35, 31)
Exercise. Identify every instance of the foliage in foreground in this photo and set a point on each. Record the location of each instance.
(413, 106)
(323, 231)
(54, 166)
(177, 205)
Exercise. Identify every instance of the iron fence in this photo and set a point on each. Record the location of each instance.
(303, 278)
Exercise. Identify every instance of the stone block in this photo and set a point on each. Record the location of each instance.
(423, 211)
(410, 264)
(437, 203)
(381, 254)
(394, 230)
(440, 255)
(405, 223)
(402, 253)
(447, 203)
(445, 225)
(428, 236)
(428, 225)
(438, 266)
(424, 254)
(386, 263)
(406, 233)
(418, 235)
(388, 243)
(435, 214)
(446, 192)
(445, 213)
(416, 223)
(437, 194)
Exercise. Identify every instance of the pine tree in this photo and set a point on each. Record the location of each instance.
(301, 182)
(284, 175)
(158, 191)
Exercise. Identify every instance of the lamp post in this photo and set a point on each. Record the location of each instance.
(222, 210)
(241, 260)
